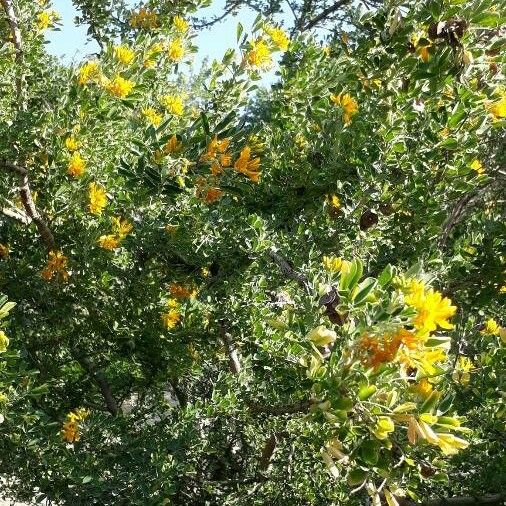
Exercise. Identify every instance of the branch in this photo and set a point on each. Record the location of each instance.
(282, 409)
(31, 211)
(15, 214)
(267, 452)
(326, 12)
(289, 271)
(18, 46)
(491, 499)
(212, 22)
(462, 206)
(103, 384)
(234, 364)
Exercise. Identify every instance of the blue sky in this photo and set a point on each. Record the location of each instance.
(70, 42)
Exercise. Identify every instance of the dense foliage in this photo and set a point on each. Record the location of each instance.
(234, 295)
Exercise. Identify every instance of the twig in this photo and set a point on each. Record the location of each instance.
(282, 409)
(289, 271)
(326, 12)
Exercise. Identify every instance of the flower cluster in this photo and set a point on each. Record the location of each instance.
(97, 197)
(172, 316)
(118, 86)
(71, 429)
(347, 103)
(46, 19)
(144, 19)
(56, 267)
(173, 103)
(151, 114)
(76, 165)
(124, 54)
(120, 229)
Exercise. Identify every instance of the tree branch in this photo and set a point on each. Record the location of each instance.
(16, 215)
(18, 46)
(462, 206)
(325, 13)
(103, 384)
(234, 364)
(289, 271)
(282, 409)
(31, 211)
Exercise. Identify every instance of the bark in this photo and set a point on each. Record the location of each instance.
(289, 271)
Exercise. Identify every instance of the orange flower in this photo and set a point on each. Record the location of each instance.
(181, 292)
(247, 165)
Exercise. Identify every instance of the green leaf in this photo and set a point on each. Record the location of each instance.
(239, 31)
(205, 123)
(386, 276)
(364, 289)
(487, 18)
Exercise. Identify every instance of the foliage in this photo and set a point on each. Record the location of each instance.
(219, 295)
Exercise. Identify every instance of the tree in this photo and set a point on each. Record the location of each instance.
(219, 298)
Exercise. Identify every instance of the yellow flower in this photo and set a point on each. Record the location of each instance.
(427, 358)
(180, 24)
(502, 289)
(172, 146)
(332, 263)
(171, 318)
(4, 342)
(173, 103)
(98, 198)
(384, 426)
(347, 103)
(108, 242)
(461, 372)
(477, 166)
(121, 227)
(4, 250)
(144, 19)
(152, 116)
(335, 202)
(76, 165)
(124, 54)
(278, 36)
(71, 144)
(88, 72)
(247, 165)
(433, 309)
(56, 267)
(423, 388)
(47, 18)
(175, 51)
(71, 430)
(498, 108)
(491, 328)
(259, 54)
(120, 87)
(321, 336)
